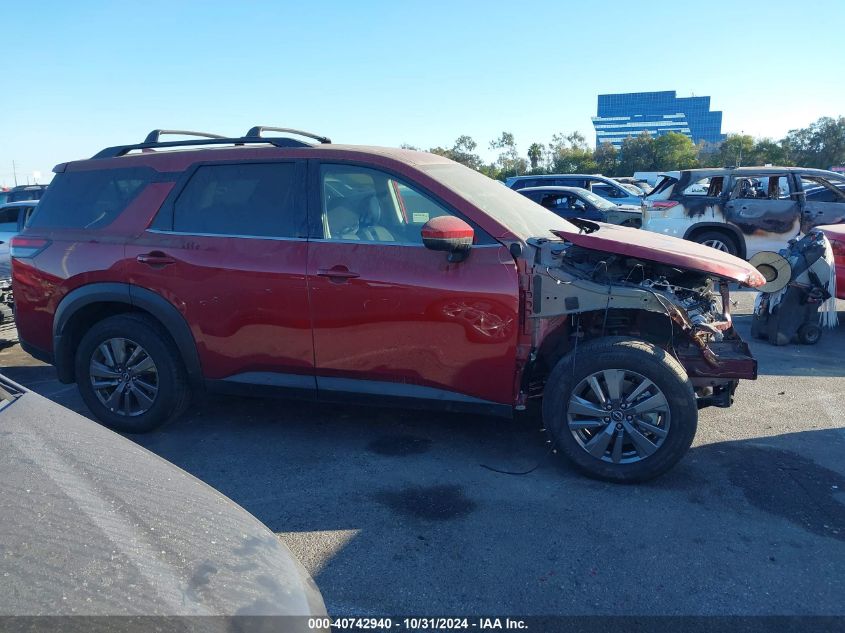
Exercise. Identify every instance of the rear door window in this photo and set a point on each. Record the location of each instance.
(245, 200)
(761, 188)
(89, 199)
(606, 191)
(9, 219)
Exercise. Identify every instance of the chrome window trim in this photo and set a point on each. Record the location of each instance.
(300, 239)
(228, 235)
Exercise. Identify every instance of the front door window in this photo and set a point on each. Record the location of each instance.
(366, 205)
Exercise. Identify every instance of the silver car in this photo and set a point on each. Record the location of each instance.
(13, 217)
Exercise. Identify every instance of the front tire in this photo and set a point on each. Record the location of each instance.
(130, 375)
(620, 409)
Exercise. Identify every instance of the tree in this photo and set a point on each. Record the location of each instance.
(509, 162)
(821, 145)
(637, 154)
(737, 150)
(606, 159)
(674, 151)
(769, 152)
(570, 154)
(462, 152)
(535, 155)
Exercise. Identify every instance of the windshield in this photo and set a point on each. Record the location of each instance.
(597, 201)
(633, 189)
(509, 208)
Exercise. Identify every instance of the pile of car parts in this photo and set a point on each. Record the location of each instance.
(799, 297)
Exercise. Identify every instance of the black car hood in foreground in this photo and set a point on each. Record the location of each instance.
(92, 524)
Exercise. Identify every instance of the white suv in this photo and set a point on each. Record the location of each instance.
(745, 210)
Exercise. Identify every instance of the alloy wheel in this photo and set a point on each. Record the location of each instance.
(719, 245)
(618, 416)
(124, 377)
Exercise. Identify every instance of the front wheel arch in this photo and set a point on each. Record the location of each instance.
(633, 356)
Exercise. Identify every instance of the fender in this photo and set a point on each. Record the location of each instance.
(135, 296)
(724, 226)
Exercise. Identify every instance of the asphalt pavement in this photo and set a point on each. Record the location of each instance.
(392, 512)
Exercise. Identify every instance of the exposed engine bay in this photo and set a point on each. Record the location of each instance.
(686, 312)
(688, 297)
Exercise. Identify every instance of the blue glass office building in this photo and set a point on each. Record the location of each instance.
(622, 115)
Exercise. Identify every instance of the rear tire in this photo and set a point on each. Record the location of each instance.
(130, 374)
(720, 240)
(644, 409)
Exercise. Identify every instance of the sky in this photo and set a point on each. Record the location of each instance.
(83, 75)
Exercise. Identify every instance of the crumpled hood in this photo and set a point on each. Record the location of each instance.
(664, 249)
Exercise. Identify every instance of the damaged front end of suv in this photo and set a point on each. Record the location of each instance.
(631, 333)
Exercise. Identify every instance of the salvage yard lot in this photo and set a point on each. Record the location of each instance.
(391, 512)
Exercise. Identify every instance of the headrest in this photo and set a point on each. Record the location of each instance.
(342, 221)
(372, 211)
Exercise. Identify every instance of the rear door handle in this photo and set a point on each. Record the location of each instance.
(337, 273)
(155, 259)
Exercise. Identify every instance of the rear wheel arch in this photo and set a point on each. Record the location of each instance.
(90, 304)
(719, 227)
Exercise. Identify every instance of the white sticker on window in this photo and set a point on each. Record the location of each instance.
(420, 218)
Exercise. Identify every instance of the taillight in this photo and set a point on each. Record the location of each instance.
(23, 247)
(838, 249)
(665, 204)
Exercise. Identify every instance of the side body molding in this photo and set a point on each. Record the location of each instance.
(132, 296)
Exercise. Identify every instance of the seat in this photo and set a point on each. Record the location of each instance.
(342, 223)
(371, 230)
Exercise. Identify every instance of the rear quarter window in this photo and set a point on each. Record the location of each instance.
(89, 199)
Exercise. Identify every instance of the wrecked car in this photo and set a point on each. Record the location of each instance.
(278, 265)
(745, 210)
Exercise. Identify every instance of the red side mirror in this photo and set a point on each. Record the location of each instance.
(450, 234)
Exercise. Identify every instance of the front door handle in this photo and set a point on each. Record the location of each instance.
(337, 274)
(155, 259)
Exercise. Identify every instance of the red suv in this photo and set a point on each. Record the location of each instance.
(272, 265)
